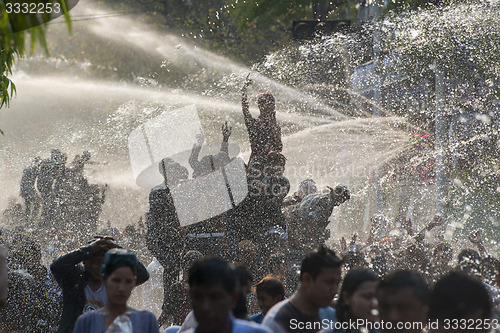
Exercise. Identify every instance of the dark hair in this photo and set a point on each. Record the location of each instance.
(457, 295)
(275, 157)
(317, 259)
(212, 270)
(468, 254)
(272, 286)
(487, 268)
(468, 261)
(243, 275)
(117, 258)
(276, 260)
(352, 281)
(407, 279)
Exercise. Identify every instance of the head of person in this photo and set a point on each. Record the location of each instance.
(213, 292)
(443, 253)
(339, 194)
(459, 296)
(269, 291)
(276, 163)
(94, 263)
(246, 252)
(278, 265)
(205, 166)
(267, 104)
(36, 161)
(320, 275)
(188, 258)
(403, 297)
(487, 267)
(86, 155)
(172, 172)
(468, 261)
(307, 186)
(119, 275)
(357, 296)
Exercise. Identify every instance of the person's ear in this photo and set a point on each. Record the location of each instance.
(306, 279)
(347, 299)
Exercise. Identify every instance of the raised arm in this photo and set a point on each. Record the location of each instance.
(476, 239)
(244, 101)
(226, 133)
(436, 221)
(195, 152)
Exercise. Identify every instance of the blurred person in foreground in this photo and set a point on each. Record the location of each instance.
(309, 307)
(403, 299)
(213, 290)
(119, 276)
(82, 286)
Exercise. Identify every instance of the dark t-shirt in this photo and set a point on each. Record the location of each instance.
(290, 319)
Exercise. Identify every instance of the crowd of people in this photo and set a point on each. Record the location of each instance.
(262, 266)
(59, 196)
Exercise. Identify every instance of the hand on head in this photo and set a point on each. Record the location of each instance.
(102, 245)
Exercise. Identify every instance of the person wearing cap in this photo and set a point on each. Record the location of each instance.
(119, 276)
(82, 287)
(264, 132)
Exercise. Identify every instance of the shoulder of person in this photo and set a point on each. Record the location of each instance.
(90, 316)
(143, 314)
(271, 314)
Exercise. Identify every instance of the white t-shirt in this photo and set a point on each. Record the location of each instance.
(95, 299)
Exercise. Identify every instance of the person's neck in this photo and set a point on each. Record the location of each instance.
(227, 327)
(301, 302)
(94, 284)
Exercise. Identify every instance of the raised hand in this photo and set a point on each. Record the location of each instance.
(436, 221)
(248, 81)
(200, 138)
(226, 131)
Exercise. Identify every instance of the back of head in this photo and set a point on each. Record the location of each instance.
(307, 186)
(172, 170)
(266, 100)
(272, 286)
(117, 258)
(469, 261)
(459, 296)
(189, 257)
(318, 259)
(276, 158)
(407, 279)
(210, 271)
(468, 255)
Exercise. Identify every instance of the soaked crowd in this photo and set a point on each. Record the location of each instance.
(262, 266)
